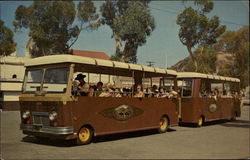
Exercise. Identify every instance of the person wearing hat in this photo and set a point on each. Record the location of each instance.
(81, 86)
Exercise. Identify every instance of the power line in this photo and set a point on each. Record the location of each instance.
(164, 10)
(233, 23)
(168, 7)
(173, 12)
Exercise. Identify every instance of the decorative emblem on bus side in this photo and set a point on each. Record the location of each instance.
(122, 112)
(212, 107)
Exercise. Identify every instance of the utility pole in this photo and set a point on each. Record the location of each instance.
(150, 63)
(166, 61)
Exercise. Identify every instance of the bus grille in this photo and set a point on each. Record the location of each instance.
(41, 118)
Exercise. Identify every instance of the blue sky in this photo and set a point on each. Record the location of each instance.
(163, 46)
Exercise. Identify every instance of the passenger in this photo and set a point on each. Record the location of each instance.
(155, 90)
(91, 91)
(242, 92)
(125, 92)
(214, 95)
(139, 93)
(201, 94)
(82, 86)
(172, 93)
(99, 89)
(161, 93)
(94, 87)
(75, 87)
(206, 94)
(237, 95)
(108, 92)
(148, 93)
(229, 94)
(216, 90)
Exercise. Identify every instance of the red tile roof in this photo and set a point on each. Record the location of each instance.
(91, 54)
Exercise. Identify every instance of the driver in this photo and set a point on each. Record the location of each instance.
(80, 86)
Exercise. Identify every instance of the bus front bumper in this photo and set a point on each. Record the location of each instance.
(47, 129)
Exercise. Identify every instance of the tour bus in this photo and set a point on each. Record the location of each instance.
(50, 107)
(206, 97)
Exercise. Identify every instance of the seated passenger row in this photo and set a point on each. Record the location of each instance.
(80, 87)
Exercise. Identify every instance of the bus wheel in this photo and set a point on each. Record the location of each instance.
(234, 117)
(200, 122)
(84, 136)
(163, 125)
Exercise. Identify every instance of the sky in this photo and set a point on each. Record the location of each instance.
(163, 46)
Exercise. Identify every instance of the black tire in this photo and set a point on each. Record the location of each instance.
(42, 139)
(164, 125)
(84, 135)
(234, 117)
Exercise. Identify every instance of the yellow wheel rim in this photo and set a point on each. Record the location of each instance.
(200, 122)
(84, 134)
(163, 124)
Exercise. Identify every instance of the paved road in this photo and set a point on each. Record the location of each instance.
(215, 140)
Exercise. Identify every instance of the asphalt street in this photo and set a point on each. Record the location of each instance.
(220, 139)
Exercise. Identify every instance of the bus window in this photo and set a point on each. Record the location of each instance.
(187, 85)
(217, 89)
(32, 80)
(227, 92)
(55, 80)
(205, 89)
(168, 84)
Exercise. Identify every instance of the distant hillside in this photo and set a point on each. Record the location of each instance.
(180, 66)
(224, 59)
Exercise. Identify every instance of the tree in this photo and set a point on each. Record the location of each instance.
(206, 60)
(131, 22)
(198, 30)
(7, 45)
(51, 24)
(237, 43)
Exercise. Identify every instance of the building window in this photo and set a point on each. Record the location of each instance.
(14, 76)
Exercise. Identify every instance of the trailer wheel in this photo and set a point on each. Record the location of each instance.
(233, 118)
(84, 135)
(200, 122)
(163, 127)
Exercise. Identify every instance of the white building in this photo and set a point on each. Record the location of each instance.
(11, 78)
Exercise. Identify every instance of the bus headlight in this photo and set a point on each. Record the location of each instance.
(26, 114)
(52, 116)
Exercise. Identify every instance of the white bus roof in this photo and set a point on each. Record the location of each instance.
(64, 58)
(206, 76)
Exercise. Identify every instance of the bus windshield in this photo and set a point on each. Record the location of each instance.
(54, 80)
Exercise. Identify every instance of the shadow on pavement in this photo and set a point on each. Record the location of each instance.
(237, 123)
(98, 139)
(226, 123)
(114, 137)
(194, 125)
(51, 142)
